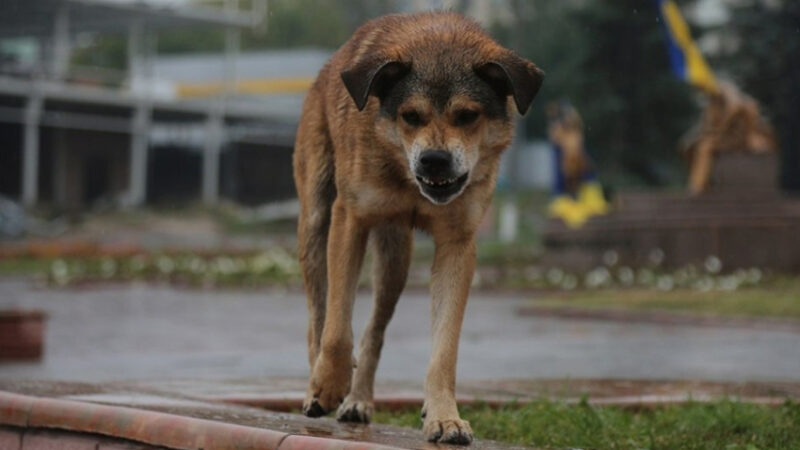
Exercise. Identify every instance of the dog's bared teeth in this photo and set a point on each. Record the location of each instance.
(430, 182)
(437, 182)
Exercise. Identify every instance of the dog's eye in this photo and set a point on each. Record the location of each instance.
(412, 118)
(466, 117)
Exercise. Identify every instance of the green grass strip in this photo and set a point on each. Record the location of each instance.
(549, 424)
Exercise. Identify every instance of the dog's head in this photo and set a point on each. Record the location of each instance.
(444, 102)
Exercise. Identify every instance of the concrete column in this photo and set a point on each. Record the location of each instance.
(211, 155)
(509, 217)
(62, 47)
(232, 44)
(61, 170)
(30, 151)
(508, 223)
(137, 176)
(135, 51)
(139, 72)
(259, 10)
(215, 124)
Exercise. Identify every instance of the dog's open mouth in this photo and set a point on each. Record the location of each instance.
(440, 190)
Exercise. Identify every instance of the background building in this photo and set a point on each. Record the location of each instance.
(73, 135)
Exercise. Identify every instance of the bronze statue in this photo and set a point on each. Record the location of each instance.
(731, 122)
(577, 194)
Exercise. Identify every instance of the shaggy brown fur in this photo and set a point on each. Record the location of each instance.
(402, 129)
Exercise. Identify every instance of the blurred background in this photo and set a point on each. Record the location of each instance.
(147, 201)
(121, 104)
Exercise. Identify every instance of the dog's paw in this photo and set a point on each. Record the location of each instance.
(328, 386)
(355, 411)
(312, 408)
(450, 431)
(321, 401)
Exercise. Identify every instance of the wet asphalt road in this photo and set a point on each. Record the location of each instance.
(140, 332)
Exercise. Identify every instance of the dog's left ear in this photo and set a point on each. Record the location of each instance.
(372, 76)
(515, 76)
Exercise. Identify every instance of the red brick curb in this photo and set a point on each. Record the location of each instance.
(154, 428)
(298, 442)
(15, 409)
(32, 439)
(660, 318)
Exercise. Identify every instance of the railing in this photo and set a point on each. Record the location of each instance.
(82, 75)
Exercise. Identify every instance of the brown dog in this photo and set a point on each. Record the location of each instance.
(402, 129)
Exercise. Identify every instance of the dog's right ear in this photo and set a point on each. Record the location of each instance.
(372, 76)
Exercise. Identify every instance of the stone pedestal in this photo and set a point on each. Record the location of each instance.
(743, 219)
(21, 334)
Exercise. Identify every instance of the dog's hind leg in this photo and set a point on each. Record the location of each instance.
(392, 255)
(314, 179)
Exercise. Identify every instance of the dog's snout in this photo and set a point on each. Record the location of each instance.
(435, 162)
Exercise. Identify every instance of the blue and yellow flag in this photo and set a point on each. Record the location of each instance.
(687, 61)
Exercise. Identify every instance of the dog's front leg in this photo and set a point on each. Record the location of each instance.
(453, 266)
(392, 246)
(330, 378)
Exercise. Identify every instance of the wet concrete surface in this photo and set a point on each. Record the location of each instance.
(286, 394)
(140, 332)
(206, 399)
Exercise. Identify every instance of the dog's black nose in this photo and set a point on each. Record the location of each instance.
(435, 162)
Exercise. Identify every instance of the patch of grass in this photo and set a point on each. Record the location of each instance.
(23, 266)
(267, 267)
(493, 252)
(780, 298)
(229, 219)
(549, 424)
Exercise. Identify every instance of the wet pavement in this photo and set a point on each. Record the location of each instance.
(141, 399)
(146, 332)
(221, 401)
